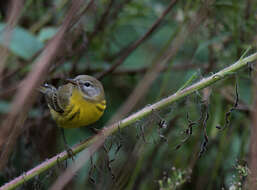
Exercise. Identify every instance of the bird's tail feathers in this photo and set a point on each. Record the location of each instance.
(46, 88)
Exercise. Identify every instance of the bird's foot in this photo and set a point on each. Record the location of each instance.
(70, 152)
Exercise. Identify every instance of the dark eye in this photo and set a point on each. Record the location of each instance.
(87, 84)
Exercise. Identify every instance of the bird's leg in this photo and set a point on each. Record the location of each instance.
(94, 130)
(67, 147)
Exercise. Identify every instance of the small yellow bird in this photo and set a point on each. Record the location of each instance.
(79, 103)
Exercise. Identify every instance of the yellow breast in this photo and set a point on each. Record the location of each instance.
(80, 112)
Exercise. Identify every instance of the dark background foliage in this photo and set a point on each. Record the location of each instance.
(206, 36)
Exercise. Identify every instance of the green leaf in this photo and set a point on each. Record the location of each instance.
(203, 47)
(189, 81)
(4, 106)
(22, 43)
(47, 33)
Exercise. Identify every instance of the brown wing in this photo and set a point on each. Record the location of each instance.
(63, 95)
(51, 96)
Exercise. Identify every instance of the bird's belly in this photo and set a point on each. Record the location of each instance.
(78, 115)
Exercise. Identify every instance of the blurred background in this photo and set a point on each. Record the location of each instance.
(173, 43)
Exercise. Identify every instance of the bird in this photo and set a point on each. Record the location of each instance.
(80, 102)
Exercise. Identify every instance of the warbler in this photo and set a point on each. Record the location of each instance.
(78, 103)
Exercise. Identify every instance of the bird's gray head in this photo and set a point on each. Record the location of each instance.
(90, 87)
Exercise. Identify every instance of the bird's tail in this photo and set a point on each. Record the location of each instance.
(46, 88)
(50, 93)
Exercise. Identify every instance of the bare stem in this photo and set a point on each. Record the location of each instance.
(111, 129)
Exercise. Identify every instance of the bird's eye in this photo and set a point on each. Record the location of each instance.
(87, 84)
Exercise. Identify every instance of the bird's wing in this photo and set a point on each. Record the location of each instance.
(63, 95)
(52, 96)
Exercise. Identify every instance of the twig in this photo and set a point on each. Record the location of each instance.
(133, 46)
(188, 131)
(118, 9)
(179, 67)
(106, 16)
(12, 126)
(205, 141)
(107, 131)
(86, 8)
(228, 113)
(157, 66)
(13, 17)
(143, 70)
(100, 25)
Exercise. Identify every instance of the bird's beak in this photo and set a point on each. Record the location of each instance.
(72, 81)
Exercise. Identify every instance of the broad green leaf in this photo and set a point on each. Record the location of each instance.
(47, 33)
(22, 43)
(4, 106)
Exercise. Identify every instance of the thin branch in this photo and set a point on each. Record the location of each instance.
(134, 71)
(107, 131)
(118, 9)
(133, 46)
(47, 17)
(100, 25)
(162, 60)
(143, 70)
(106, 18)
(13, 17)
(12, 126)
(85, 9)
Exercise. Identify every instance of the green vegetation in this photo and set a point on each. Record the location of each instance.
(201, 141)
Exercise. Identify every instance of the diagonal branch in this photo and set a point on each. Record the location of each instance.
(134, 45)
(14, 11)
(13, 124)
(96, 141)
(162, 60)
